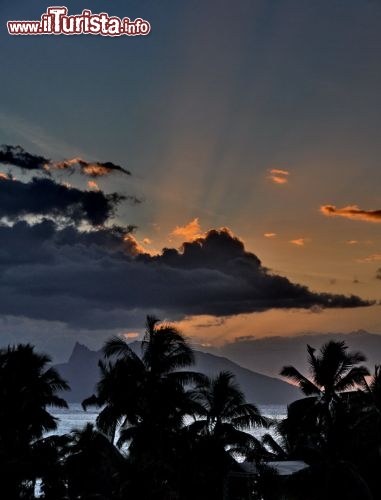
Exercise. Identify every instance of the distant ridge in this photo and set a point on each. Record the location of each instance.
(269, 354)
(82, 373)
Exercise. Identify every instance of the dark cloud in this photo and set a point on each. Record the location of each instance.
(98, 279)
(378, 273)
(45, 197)
(133, 200)
(18, 157)
(352, 212)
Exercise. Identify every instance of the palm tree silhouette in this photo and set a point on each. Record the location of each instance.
(28, 386)
(220, 431)
(144, 390)
(332, 372)
(224, 414)
(319, 428)
(48, 457)
(373, 388)
(145, 401)
(93, 465)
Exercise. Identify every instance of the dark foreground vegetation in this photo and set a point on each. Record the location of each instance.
(165, 432)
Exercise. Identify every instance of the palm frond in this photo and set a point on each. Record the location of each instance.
(305, 385)
(91, 401)
(116, 346)
(354, 377)
(249, 417)
(269, 441)
(57, 402)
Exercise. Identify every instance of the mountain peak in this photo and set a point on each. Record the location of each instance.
(79, 352)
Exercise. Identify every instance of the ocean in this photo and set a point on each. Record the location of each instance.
(75, 417)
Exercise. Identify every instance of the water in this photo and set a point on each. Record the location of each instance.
(75, 417)
(273, 412)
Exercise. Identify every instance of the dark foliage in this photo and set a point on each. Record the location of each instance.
(167, 433)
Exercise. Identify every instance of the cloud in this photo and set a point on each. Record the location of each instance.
(278, 171)
(45, 197)
(18, 157)
(134, 246)
(100, 278)
(279, 176)
(93, 186)
(214, 322)
(189, 232)
(131, 335)
(378, 274)
(65, 164)
(269, 235)
(93, 169)
(299, 242)
(352, 212)
(375, 257)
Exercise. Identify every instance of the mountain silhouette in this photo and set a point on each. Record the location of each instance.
(81, 372)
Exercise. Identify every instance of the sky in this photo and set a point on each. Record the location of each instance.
(247, 130)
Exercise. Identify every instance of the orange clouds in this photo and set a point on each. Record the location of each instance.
(278, 176)
(299, 242)
(4, 177)
(189, 232)
(62, 165)
(92, 169)
(133, 246)
(352, 212)
(95, 170)
(131, 335)
(269, 235)
(93, 186)
(371, 258)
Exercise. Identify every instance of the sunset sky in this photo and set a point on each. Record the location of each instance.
(258, 116)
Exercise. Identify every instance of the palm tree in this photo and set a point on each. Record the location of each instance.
(365, 432)
(276, 448)
(332, 372)
(319, 427)
(145, 400)
(224, 414)
(146, 389)
(220, 430)
(49, 456)
(93, 465)
(373, 388)
(28, 386)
